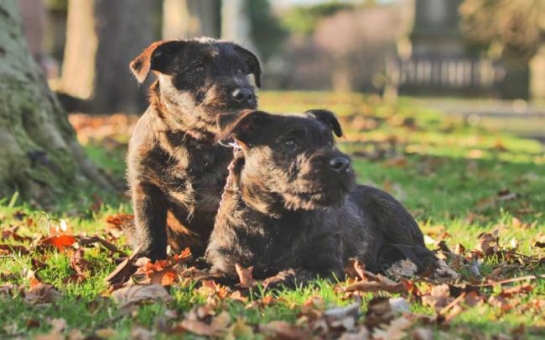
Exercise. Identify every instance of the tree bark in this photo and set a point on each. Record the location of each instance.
(39, 155)
(102, 38)
(191, 18)
(235, 23)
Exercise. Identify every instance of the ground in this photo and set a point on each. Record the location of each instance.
(478, 194)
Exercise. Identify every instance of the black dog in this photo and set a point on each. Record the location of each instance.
(291, 205)
(176, 170)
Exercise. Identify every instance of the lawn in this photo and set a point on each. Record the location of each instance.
(478, 195)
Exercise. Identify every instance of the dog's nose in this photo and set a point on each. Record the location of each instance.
(339, 163)
(243, 95)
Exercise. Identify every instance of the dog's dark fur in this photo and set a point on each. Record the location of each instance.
(291, 204)
(176, 170)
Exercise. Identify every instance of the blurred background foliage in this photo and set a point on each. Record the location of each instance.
(477, 48)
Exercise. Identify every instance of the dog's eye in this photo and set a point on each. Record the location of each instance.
(199, 68)
(290, 143)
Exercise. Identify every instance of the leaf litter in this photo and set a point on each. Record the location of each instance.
(369, 306)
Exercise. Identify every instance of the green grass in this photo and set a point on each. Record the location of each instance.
(457, 180)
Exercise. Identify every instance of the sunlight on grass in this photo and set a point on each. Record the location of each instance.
(458, 181)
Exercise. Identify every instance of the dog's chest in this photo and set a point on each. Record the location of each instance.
(275, 244)
(191, 172)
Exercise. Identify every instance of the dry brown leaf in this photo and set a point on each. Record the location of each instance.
(394, 331)
(42, 293)
(343, 317)
(379, 311)
(439, 297)
(402, 268)
(8, 249)
(58, 325)
(516, 290)
(123, 271)
(240, 330)
(284, 330)
(245, 276)
(140, 333)
(375, 286)
(422, 334)
(396, 162)
(361, 334)
(217, 327)
(134, 294)
(355, 269)
(79, 264)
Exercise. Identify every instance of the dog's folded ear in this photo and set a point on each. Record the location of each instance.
(252, 62)
(156, 57)
(240, 125)
(328, 118)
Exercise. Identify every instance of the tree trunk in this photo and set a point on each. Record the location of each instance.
(191, 18)
(102, 38)
(40, 157)
(235, 23)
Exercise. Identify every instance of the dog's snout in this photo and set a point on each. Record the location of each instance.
(339, 163)
(243, 95)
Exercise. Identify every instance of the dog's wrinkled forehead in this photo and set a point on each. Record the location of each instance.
(216, 57)
(304, 129)
(202, 57)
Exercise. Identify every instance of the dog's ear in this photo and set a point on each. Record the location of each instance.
(241, 125)
(252, 62)
(328, 118)
(156, 57)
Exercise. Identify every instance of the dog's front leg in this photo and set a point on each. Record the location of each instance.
(150, 211)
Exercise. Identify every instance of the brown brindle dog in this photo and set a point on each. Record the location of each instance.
(176, 170)
(291, 207)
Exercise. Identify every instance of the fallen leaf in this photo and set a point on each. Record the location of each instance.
(58, 326)
(439, 297)
(375, 286)
(355, 268)
(403, 268)
(361, 334)
(123, 271)
(422, 334)
(245, 276)
(134, 294)
(240, 330)
(140, 333)
(394, 331)
(399, 305)
(284, 330)
(343, 317)
(396, 162)
(79, 264)
(379, 311)
(42, 293)
(516, 290)
(8, 249)
(58, 241)
(217, 327)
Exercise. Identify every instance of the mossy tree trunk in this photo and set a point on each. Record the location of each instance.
(39, 155)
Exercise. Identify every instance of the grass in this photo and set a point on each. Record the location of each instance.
(459, 181)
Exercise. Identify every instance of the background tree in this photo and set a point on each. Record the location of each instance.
(102, 38)
(514, 29)
(191, 18)
(267, 32)
(40, 157)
